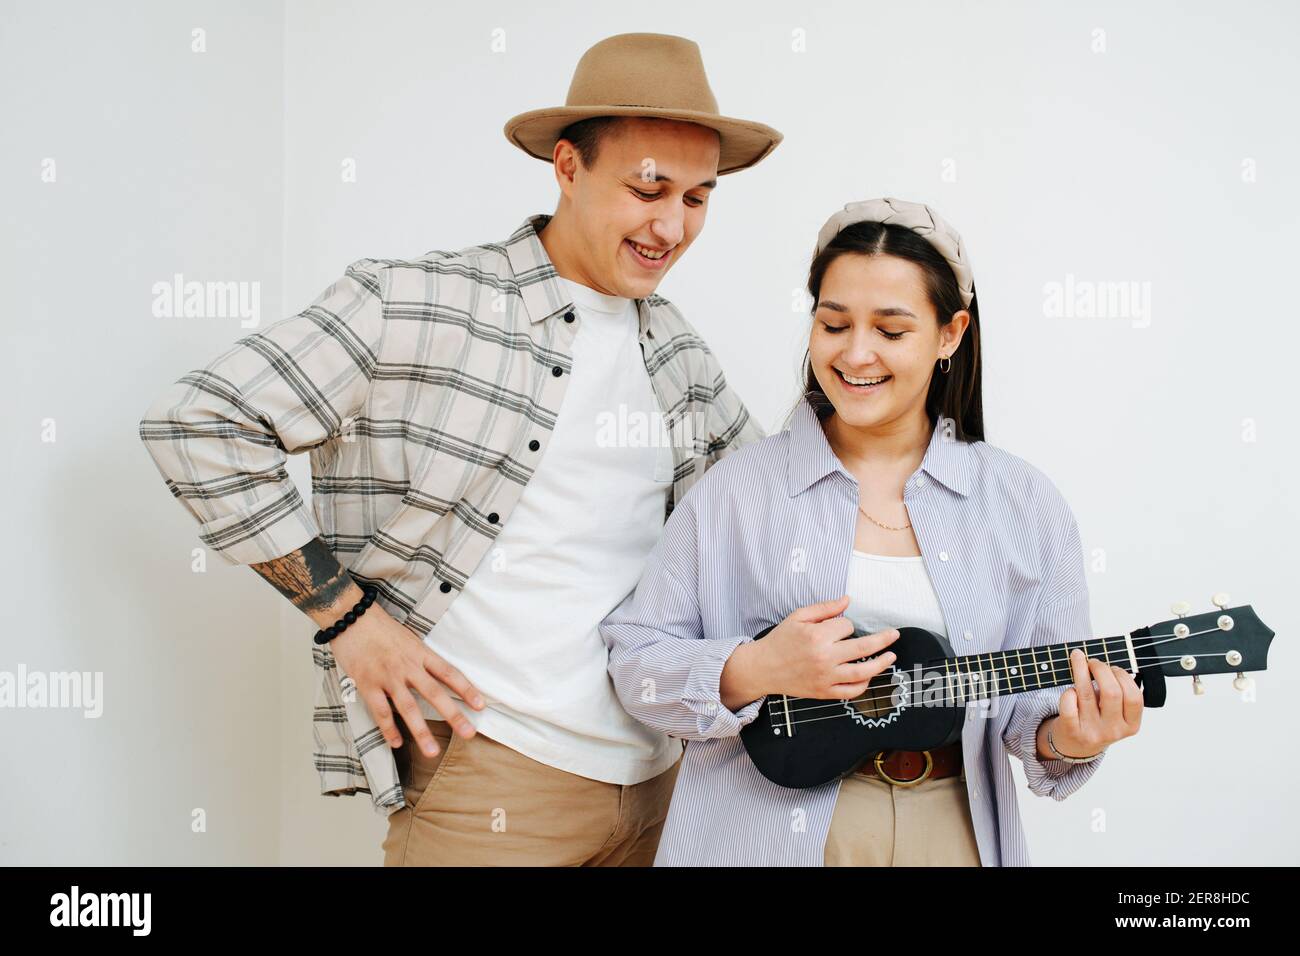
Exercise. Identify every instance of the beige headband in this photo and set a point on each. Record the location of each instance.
(916, 216)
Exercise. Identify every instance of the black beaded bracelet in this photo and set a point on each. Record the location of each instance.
(338, 627)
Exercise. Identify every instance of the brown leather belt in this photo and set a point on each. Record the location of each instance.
(907, 768)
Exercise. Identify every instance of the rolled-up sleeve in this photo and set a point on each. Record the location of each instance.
(731, 425)
(665, 671)
(219, 435)
(1063, 615)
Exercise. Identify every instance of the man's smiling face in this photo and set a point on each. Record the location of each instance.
(641, 205)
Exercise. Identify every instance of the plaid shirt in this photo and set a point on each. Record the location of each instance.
(425, 391)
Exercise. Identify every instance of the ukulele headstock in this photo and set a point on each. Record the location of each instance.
(1224, 641)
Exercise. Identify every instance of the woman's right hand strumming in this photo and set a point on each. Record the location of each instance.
(809, 654)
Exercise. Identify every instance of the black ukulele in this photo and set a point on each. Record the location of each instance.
(919, 702)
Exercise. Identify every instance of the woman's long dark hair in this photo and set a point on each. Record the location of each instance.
(955, 395)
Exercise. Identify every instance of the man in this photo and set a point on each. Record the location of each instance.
(497, 436)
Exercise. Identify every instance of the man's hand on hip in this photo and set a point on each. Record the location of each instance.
(387, 662)
(384, 658)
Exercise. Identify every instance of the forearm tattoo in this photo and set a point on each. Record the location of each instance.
(311, 577)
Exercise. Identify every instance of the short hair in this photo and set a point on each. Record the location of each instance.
(586, 136)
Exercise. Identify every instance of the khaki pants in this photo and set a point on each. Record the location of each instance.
(480, 803)
(878, 824)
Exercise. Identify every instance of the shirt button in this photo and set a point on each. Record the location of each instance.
(975, 793)
(920, 481)
(943, 555)
(970, 636)
(534, 445)
(568, 316)
(493, 518)
(444, 587)
(557, 371)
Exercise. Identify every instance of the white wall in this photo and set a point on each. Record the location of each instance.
(167, 161)
(1122, 165)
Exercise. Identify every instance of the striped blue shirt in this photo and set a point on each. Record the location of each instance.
(770, 529)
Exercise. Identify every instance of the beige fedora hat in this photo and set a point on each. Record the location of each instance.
(643, 74)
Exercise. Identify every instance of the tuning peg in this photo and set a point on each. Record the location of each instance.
(1198, 688)
(1180, 608)
(1220, 600)
(1242, 682)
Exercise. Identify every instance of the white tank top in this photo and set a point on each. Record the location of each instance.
(886, 591)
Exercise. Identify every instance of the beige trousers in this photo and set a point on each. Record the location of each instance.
(878, 824)
(481, 803)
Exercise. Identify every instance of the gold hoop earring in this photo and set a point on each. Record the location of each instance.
(945, 368)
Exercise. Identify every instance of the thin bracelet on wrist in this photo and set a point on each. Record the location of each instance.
(1051, 745)
(327, 634)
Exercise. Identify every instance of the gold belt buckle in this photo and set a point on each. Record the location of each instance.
(880, 769)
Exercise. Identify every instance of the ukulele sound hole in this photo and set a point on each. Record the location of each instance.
(882, 697)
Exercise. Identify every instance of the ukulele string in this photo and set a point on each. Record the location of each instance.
(840, 715)
(972, 695)
(778, 715)
(779, 709)
(1054, 668)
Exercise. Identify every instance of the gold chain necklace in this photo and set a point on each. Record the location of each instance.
(885, 526)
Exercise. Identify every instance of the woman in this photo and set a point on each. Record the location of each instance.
(882, 487)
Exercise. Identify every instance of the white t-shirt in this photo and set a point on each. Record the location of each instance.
(524, 630)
